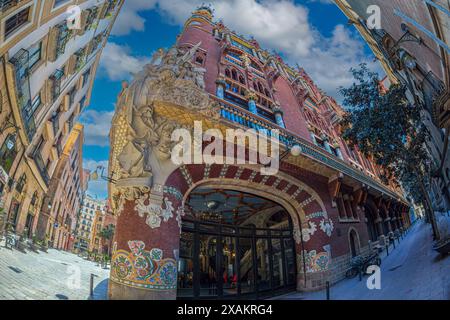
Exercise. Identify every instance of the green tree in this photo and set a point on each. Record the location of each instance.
(107, 234)
(386, 126)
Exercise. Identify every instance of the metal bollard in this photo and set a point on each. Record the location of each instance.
(328, 290)
(91, 285)
(387, 249)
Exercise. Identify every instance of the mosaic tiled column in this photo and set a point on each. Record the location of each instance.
(315, 259)
(146, 244)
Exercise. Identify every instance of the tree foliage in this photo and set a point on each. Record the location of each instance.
(386, 126)
(107, 232)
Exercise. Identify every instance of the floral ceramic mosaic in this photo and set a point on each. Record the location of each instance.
(143, 269)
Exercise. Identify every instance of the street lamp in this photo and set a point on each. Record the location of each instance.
(95, 175)
(406, 59)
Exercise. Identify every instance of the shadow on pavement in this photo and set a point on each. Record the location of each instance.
(100, 291)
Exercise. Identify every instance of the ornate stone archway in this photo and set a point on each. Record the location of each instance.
(147, 237)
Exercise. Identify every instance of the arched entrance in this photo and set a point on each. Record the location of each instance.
(354, 243)
(146, 247)
(234, 244)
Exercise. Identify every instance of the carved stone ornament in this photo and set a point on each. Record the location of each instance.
(128, 193)
(170, 79)
(153, 213)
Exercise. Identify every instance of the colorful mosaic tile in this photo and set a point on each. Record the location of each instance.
(143, 269)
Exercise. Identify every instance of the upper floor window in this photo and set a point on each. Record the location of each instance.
(64, 34)
(56, 77)
(58, 3)
(34, 54)
(21, 183)
(91, 17)
(14, 23)
(8, 152)
(34, 198)
(86, 77)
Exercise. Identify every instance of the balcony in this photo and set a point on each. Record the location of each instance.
(5, 5)
(435, 97)
(20, 61)
(41, 167)
(56, 79)
(244, 118)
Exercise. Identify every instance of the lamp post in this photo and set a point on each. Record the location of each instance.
(95, 175)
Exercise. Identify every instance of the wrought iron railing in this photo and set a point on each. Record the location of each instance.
(41, 167)
(245, 118)
(7, 4)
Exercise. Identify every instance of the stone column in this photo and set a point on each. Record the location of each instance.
(379, 222)
(313, 137)
(221, 84)
(327, 146)
(146, 244)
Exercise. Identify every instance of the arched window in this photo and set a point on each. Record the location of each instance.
(234, 75)
(354, 243)
(8, 152)
(242, 80)
(199, 60)
(261, 89)
(227, 73)
(255, 86)
(34, 198)
(267, 93)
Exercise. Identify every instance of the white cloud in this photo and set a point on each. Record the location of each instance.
(129, 18)
(96, 127)
(281, 25)
(98, 187)
(118, 63)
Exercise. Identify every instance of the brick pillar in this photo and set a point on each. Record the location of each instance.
(145, 248)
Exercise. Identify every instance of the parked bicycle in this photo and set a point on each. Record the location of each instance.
(360, 264)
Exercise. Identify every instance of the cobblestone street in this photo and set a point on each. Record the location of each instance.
(413, 270)
(49, 276)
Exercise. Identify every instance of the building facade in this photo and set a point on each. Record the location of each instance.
(58, 216)
(413, 48)
(48, 61)
(103, 219)
(87, 221)
(231, 228)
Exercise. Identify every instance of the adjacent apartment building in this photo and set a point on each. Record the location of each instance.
(412, 44)
(90, 209)
(57, 219)
(102, 231)
(49, 54)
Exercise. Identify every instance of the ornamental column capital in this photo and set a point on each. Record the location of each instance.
(251, 95)
(221, 81)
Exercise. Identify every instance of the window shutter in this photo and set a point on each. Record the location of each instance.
(83, 21)
(52, 44)
(71, 64)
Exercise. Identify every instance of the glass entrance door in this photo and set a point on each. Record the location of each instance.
(223, 261)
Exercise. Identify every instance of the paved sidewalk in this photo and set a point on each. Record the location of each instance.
(413, 270)
(56, 275)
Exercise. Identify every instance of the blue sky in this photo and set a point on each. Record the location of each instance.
(312, 33)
